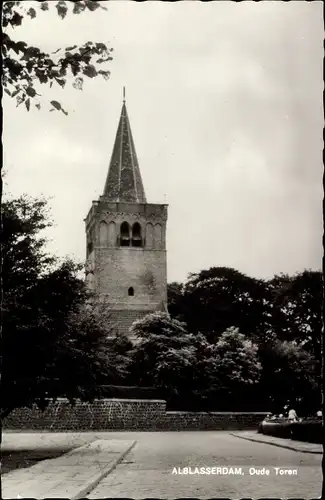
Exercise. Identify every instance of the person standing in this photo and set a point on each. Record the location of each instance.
(292, 416)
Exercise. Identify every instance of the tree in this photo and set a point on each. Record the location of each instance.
(164, 354)
(290, 375)
(298, 309)
(221, 297)
(238, 365)
(205, 381)
(219, 376)
(54, 341)
(120, 347)
(227, 372)
(191, 371)
(26, 66)
(24, 258)
(175, 300)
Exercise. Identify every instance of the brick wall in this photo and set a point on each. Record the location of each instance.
(125, 414)
(186, 421)
(123, 320)
(118, 269)
(105, 414)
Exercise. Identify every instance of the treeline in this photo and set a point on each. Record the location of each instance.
(233, 342)
(228, 342)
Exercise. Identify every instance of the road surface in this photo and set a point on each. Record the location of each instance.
(156, 468)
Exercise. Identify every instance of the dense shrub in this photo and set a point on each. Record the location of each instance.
(129, 392)
(280, 429)
(310, 431)
(236, 404)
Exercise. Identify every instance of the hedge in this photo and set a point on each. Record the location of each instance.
(310, 431)
(280, 428)
(129, 392)
(214, 403)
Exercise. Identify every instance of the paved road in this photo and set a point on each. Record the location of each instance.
(147, 470)
(40, 440)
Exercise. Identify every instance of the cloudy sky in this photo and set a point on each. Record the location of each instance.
(225, 105)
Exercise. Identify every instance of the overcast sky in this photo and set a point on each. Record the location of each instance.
(225, 105)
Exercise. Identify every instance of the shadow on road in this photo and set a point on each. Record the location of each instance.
(20, 459)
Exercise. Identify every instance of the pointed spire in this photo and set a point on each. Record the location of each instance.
(124, 183)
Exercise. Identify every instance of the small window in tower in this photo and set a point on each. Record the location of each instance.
(131, 291)
(136, 235)
(125, 235)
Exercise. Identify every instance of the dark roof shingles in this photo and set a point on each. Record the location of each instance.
(124, 183)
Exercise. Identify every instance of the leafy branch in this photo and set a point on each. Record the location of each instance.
(25, 65)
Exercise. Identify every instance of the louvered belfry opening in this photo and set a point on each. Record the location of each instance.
(136, 235)
(125, 235)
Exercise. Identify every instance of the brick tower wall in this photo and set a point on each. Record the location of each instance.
(122, 320)
(114, 269)
(118, 269)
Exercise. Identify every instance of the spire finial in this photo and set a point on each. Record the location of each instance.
(123, 95)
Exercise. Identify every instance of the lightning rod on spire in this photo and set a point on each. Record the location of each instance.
(124, 95)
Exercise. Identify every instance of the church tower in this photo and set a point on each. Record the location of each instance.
(126, 239)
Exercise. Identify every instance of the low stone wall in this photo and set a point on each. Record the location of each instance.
(104, 414)
(125, 414)
(182, 421)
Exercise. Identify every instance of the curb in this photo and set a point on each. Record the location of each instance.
(94, 482)
(277, 445)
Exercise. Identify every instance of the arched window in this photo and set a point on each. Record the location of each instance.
(131, 291)
(125, 235)
(136, 235)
